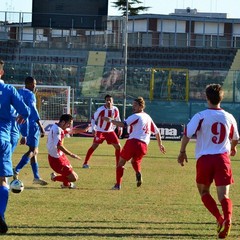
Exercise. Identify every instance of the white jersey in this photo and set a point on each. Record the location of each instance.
(103, 126)
(55, 138)
(214, 129)
(141, 126)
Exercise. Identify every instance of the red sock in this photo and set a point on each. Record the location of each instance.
(136, 166)
(66, 183)
(119, 174)
(211, 205)
(61, 178)
(89, 154)
(117, 154)
(227, 208)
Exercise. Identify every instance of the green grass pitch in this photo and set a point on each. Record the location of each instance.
(166, 206)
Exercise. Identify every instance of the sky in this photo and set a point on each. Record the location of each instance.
(156, 6)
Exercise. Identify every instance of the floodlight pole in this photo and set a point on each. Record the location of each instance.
(125, 62)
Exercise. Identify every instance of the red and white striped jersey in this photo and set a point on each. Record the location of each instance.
(98, 124)
(141, 126)
(214, 129)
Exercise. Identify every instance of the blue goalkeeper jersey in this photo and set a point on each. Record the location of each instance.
(10, 96)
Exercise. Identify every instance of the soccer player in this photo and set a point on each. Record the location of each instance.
(141, 126)
(217, 138)
(103, 130)
(57, 152)
(15, 128)
(35, 130)
(8, 96)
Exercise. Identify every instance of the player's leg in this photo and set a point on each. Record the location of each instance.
(112, 138)
(204, 179)
(98, 139)
(119, 173)
(227, 208)
(24, 161)
(67, 180)
(72, 177)
(136, 164)
(33, 143)
(35, 169)
(5, 170)
(58, 165)
(125, 155)
(117, 152)
(14, 141)
(139, 153)
(4, 194)
(209, 201)
(27, 156)
(34, 163)
(64, 170)
(223, 180)
(90, 153)
(223, 195)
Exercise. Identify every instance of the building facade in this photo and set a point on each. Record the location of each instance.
(166, 59)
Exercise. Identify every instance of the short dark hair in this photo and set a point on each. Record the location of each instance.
(214, 93)
(29, 80)
(108, 96)
(66, 118)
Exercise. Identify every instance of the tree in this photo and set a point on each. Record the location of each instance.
(121, 5)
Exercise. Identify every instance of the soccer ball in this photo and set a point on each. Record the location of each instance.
(16, 186)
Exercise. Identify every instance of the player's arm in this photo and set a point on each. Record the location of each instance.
(41, 128)
(35, 114)
(93, 124)
(94, 120)
(182, 154)
(67, 152)
(77, 130)
(21, 108)
(189, 131)
(24, 130)
(233, 147)
(159, 141)
(115, 122)
(154, 130)
(234, 139)
(120, 129)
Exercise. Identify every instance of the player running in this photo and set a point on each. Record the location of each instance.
(217, 138)
(35, 130)
(141, 127)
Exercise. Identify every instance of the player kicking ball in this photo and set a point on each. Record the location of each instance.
(58, 161)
